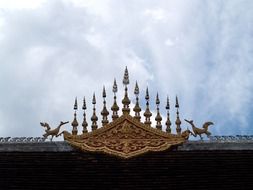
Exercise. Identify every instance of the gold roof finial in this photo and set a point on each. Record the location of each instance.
(137, 108)
(115, 107)
(94, 118)
(136, 89)
(178, 121)
(168, 122)
(84, 124)
(126, 101)
(126, 77)
(75, 105)
(158, 117)
(126, 135)
(177, 104)
(104, 112)
(114, 87)
(75, 123)
(147, 112)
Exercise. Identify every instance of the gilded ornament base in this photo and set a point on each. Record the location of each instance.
(125, 137)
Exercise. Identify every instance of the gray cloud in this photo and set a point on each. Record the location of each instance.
(201, 51)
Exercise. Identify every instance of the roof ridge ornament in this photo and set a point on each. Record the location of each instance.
(126, 101)
(84, 124)
(137, 108)
(168, 122)
(74, 122)
(126, 136)
(178, 121)
(115, 107)
(94, 117)
(104, 112)
(158, 117)
(147, 113)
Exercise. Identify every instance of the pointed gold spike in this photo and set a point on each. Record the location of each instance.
(94, 99)
(147, 112)
(178, 121)
(94, 117)
(137, 108)
(168, 122)
(126, 101)
(157, 99)
(104, 112)
(136, 89)
(104, 93)
(84, 124)
(115, 107)
(177, 104)
(126, 77)
(84, 104)
(168, 103)
(147, 94)
(115, 87)
(158, 117)
(75, 105)
(74, 122)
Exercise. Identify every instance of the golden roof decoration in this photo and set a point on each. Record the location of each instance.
(126, 136)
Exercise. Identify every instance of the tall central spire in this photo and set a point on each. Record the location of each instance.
(126, 101)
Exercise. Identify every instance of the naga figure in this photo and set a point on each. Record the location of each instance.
(186, 134)
(200, 131)
(52, 132)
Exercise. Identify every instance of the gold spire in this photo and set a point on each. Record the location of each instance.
(115, 107)
(84, 124)
(158, 117)
(168, 122)
(178, 121)
(75, 123)
(94, 118)
(147, 112)
(126, 101)
(126, 77)
(177, 104)
(137, 108)
(104, 112)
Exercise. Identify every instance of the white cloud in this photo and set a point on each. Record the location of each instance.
(169, 42)
(17, 4)
(53, 51)
(95, 40)
(156, 14)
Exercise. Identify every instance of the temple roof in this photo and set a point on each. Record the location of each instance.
(61, 146)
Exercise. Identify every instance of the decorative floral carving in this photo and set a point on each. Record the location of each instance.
(125, 137)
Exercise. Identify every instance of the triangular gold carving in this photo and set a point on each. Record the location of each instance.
(124, 137)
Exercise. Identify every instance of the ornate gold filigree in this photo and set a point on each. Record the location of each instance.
(124, 137)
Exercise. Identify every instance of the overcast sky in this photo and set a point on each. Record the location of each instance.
(52, 51)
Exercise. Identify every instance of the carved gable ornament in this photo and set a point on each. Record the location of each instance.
(126, 136)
